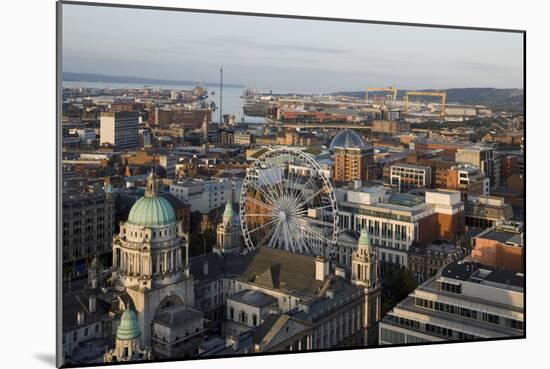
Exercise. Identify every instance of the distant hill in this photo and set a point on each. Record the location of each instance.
(92, 77)
(496, 98)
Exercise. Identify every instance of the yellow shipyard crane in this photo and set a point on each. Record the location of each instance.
(441, 94)
(388, 89)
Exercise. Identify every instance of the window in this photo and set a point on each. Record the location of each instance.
(414, 339)
(86, 332)
(450, 287)
(392, 337)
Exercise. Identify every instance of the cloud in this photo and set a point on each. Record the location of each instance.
(249, 43)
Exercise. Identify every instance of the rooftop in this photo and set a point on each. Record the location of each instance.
(277, 269)
(511, 238)
(254, 298)
(177, 315)
(405, 199)
(479, 273)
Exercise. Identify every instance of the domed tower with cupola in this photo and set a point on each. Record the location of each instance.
(228, 232)
(365, 273)
(127, 347)
(151, 259)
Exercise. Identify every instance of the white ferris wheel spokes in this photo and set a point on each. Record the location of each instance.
(288, 203)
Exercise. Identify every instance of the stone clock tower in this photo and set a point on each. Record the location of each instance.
(366, 273)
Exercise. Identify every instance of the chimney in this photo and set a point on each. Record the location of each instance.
(321, 268)
(340, 272)
(92, 303)
(303, 306)
(205, 267)
(80, 318)
(232, 341)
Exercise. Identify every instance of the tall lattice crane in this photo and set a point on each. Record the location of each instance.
(441, 94)
(388, 89)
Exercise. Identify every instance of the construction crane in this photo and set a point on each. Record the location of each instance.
(389, 89)
(441, 94)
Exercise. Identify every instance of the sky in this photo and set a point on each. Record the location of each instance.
(285, 54)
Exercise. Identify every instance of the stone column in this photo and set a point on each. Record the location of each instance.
(187, 256)
(157, 262)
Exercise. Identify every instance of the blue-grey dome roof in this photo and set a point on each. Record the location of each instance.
(347, 138)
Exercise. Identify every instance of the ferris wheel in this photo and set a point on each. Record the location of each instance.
(287, 202)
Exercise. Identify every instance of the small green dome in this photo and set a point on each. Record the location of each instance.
(128, 328)
(364, 238)
(152, 211)
(228, 212)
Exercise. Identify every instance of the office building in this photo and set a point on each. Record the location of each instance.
(484, 158)
(487, 211)
(464, 301)
(395, 221)
(88, 225)
(353, 164)
(120, 129)
(204, 196)
(469, 180)
(393, 127)
(405, 177)
(426, 260)
(501, 247)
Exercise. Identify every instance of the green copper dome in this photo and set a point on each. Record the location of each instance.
(152, 210)
(128, 328)
(364, 238)
(228, 212)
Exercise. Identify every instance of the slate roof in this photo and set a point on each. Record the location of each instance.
(277, 269)
(253, 298)
(177, 315)
(79, 301)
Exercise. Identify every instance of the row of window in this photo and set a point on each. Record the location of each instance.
(336, 330)
(469, 313)
(161, 233)
(376, 214)
(85, 333)
(77, 250)
(243, 317)
(450, 287)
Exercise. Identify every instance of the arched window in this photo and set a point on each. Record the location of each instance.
(254, 320)
(231, 313)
